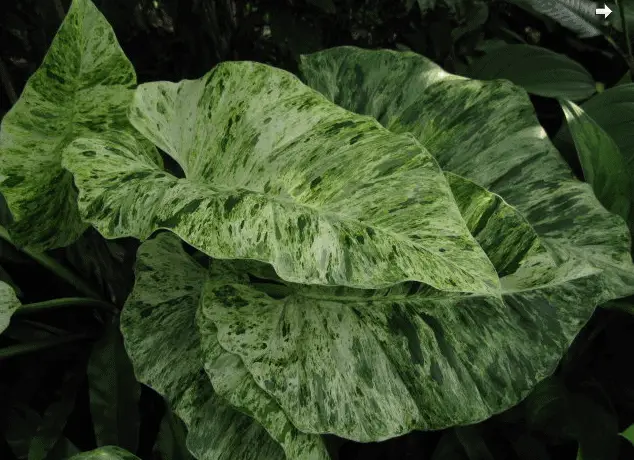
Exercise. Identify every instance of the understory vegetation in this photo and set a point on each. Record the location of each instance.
(316, 230)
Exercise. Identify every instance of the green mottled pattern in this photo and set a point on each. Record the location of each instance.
(506, 237)
(488, 133)
(604, 166)
(371, 365)
(232, 381)
(83, 85)
(275, 172)
(105, 453)
(8, 304)
(158, 325)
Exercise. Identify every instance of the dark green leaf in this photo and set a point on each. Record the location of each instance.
(327, 6)
(53, 422)
(20, 425)
(603, 164)
(538, 70)
(103, 262)
(170, 442)
(472, 442)
(114, 392)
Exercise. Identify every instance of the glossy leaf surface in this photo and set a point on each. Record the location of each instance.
(83, 85)
(486, 132)
(276, 173)
(603, 164)
(538, 70)
(170, 360)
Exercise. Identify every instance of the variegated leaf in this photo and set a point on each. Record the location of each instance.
(275, 172)
(82, 86)
(486, 132)
(8, 304)
(370, 365)
(158, 325)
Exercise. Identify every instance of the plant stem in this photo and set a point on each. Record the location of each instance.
(24, 348)
(54, 266)
(65, 302)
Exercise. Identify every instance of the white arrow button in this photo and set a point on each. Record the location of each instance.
(605, 10)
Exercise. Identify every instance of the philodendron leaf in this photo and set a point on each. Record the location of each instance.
(613, 111)
(50, 430)
(106, 453)
(114, 392)
(505, 236)
(170, 440)
(83, 86)
(370, 365)
(488, 133)
(603, 164)
(158, 325)
(8, 304)
(275, 172)
(538, 70)
(231, 379)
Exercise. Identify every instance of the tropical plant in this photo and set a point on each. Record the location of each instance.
(376, 248)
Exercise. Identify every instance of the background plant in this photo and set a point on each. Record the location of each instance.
(49, 421)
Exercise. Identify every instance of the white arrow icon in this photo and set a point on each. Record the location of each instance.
(605, 10)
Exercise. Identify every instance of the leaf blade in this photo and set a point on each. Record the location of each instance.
(603, 165)
(276, 173)
(114, 392)
(83, 85)
(537, 70)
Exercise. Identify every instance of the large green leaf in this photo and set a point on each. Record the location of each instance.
(83, 85)
(275, 172)
(49, 433)
(538, 70)
(613, 111)
(158, 324)
(106, 453)
(486, 132)
(8, 304)
(410, 354)
(21, 423)
(411, 357)
(603, 164)
(369, 365)
(114, 392)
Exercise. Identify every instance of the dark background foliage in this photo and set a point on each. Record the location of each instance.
(589, 400)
